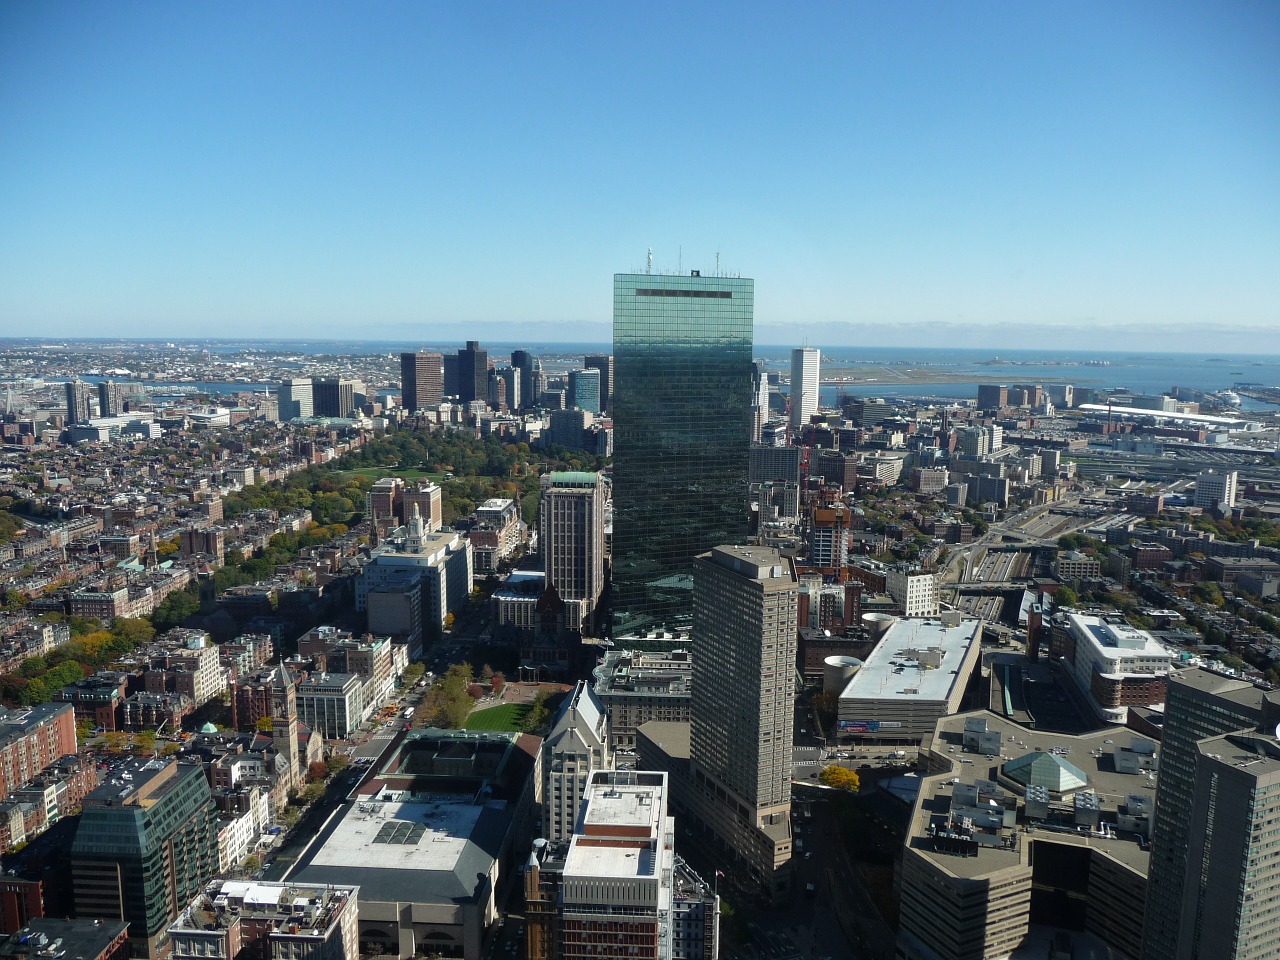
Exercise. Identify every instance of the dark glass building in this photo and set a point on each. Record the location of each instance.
(682, 430)
(146, 844)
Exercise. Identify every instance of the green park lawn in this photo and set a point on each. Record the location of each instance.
(509, 716)
(407, 473)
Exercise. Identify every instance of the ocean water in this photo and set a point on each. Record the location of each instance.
(1152, 372)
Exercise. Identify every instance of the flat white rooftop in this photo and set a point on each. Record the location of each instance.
(623, 806)
(1114, 639)
(916, 659)
(409, 835)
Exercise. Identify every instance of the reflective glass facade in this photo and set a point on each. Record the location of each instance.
(682, 430)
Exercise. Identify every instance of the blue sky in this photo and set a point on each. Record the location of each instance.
(434, 170)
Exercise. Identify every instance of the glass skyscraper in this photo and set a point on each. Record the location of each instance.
(682, 431)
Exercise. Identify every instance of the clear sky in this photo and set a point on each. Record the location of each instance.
(441, 170)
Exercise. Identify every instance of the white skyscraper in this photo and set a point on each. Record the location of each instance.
(804, 386)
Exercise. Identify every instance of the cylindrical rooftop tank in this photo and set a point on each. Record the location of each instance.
(877, 624)
(837, 671)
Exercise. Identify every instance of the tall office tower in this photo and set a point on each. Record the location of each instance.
(146, 845)
(334, 397)
(78, 394)
(805, 363)
(473, 372)
(1198, 705)
(511, 378)
(496, 391)
(585, 390)
(571, 521)
(539, 383)
(1214, 488)
(576, 747)
(110, 399)
(759, 399)
(741, 727)
(295, 399)
(682, 428)
(992, 396)
(604, 363)
(421, 380)
(522, 360)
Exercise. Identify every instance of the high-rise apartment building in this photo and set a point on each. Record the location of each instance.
(604, 363)
(571, 521)
(773, 464)
(146, 845)
(741, 730)
(682, 428)
(805, 364)
(295, 399)
(421, 380)
(1214, 488)
(111, 397)
(426, 497)
(78, 406)
(585, 390)
(576, 746)
(1200, 706)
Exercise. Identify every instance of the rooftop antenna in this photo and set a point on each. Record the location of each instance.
(648, 266)
(717, 263)
(680, 261)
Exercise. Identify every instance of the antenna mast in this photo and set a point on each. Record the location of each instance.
(648, 266)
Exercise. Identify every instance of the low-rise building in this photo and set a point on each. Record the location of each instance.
(1024, 821)
(1114, 665)
(430, 837)
(916, 675)
(636, 687)
(272, 921)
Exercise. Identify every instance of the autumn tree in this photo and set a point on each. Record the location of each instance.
(840, 778)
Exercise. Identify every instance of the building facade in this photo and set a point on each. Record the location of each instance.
(421, 381)
(571, 519)
(805, 365)
(146, 844)
(741, 729)
(682, 427)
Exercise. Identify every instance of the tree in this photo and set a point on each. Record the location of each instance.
(264, 725)
(338, 762)
(1065, 597)
(317, 771)
(538, 716)
(145, 742)
(840, 778)
(1209, 593)
(497, 682)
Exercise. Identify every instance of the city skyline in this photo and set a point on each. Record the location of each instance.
(1011, 173)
